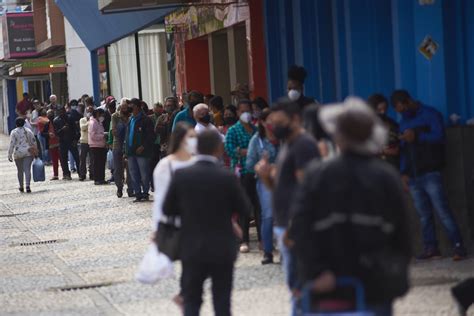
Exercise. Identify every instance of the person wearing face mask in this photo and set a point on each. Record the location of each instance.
(296, 77)
(216, 105)
(52, 143)
(422, 142)
(391, 153)
(164, 124)
(263, 145)
(97, 146)
(186, 115)
(203, 119)
(68, 134)
(138, 145)
(158, 111)
(236, 143)
(84, 145)
(297, 149)
(258, 105)
(118, 128)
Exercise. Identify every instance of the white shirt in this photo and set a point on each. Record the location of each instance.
(162, 178)
(199, 128)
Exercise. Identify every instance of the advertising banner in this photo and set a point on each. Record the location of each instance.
(19, 35)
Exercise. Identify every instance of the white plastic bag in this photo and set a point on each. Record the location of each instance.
(154, 266)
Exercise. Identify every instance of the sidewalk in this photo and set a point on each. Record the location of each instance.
(101, 239)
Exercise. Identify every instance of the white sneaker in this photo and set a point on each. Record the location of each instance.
(244, 248)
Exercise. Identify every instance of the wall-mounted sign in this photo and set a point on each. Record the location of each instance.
(428, 47)
(19, 35)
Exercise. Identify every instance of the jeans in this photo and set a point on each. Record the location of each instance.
(139, 168)
(288, 264)
(428, 195)
(118, 168)
(72, 162)
(265, 198)
(44, 151)
(23, 167)
(193, 277)
(64, 149)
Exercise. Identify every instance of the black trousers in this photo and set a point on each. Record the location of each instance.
(64, 148)
(155, 158)
(464, 293)
(84, 152)
(249, 183)
(194, 275)
(99, 157)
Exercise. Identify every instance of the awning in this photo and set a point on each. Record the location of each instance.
(97, 30)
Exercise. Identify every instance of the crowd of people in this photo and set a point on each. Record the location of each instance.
(327, 183)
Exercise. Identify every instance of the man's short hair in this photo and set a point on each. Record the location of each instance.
(400, 96)
(375, 99)
(244, 101)
(136, 102)
(208, 142)
(285, 105)
(200, 106)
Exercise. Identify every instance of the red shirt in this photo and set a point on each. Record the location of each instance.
(23, 106)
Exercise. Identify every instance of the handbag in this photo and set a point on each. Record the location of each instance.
(33, 150)
(168, 236)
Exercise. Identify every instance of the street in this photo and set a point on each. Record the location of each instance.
(98, 240)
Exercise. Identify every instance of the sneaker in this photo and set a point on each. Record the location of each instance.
(130, 193)
(67, 178)
(82, 178)
(244, 248)
(267, 258)
(429, 254)
(21, 190)
(137, 199)
(28, 190)
(459, 253)
(119, 193)
(145, 197)
(54, 178)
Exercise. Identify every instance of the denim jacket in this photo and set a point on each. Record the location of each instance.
(257, 147)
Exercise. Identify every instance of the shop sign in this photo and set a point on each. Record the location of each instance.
(428, 47)
(19, 35)
(196, 21)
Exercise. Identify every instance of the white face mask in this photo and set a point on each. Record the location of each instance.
(28, 115)
(191, 145)
(246, 117)
(101, 119)
(294, 95)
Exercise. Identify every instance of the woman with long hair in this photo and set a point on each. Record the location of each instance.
(182, 147)
(262, 146)
(22, 149)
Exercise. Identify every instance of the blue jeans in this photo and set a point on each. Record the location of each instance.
(44, 150)
(139, 171)
(428, 195)
(265, 198)
(289, 267)
(72, 161)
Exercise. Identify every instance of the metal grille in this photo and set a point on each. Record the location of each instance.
(83, 286)
(34, 243)
(12, 215)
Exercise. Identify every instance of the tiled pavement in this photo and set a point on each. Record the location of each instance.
(104, 240)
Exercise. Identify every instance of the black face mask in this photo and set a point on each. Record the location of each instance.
(130, 110)
(206, 119)
(230, 120)
(281, 132)
(192, 104)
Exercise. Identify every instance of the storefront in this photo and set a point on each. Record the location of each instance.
(217, 46)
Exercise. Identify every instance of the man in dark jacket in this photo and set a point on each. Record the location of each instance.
(296, 77)
(208, 242)
(68, 134)
(138, 146)
(422, 158)
(351, 215)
